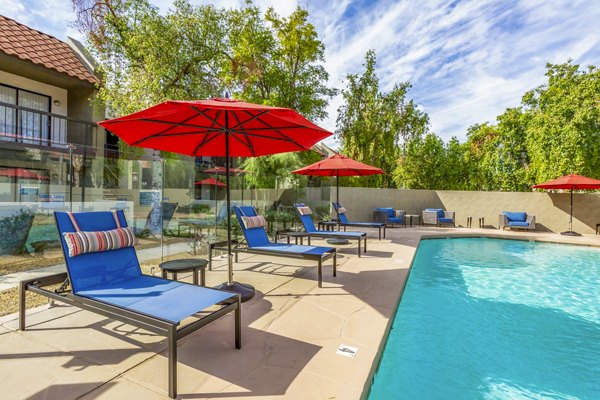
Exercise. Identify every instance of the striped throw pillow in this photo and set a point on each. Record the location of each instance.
(89, 242)
(254, 222)
(341, 210)
(304, 210)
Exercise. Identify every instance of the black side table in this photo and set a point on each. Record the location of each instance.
(185, 265)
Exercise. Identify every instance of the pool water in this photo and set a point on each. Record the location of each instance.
(495, 319)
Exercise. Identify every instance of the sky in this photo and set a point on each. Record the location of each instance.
(467, 60)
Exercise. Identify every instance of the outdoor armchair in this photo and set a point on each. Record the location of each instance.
(111, 283)
(389, 216)
(258, 243)
(516, 220)
(438, 217)
(343, 220)
(304, 213)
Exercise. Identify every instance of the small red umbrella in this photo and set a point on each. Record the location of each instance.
(570, 182)
(222, 128)
(210, 182)
(22, 174)
(338, 165)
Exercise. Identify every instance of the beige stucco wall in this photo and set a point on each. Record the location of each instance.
(54, 92)
(551, 209)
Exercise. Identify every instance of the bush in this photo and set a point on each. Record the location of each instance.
(14, 231)
(200, 208)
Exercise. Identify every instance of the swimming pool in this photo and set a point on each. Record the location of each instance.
(495, 319)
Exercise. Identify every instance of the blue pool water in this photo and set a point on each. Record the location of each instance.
(495, 319)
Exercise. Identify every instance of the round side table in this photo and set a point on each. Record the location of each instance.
(185, 265)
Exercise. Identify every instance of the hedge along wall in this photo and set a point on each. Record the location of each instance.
(551, 209)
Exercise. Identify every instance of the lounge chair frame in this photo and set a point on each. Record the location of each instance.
(239, 248)
(332, 235)
(172, 331)
(378, 225)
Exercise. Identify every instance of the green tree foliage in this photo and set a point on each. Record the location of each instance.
(372, 125)
(202, 51)
(555, 131)
(563, 123)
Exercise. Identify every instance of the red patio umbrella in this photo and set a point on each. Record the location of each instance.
(210, 182)
(338, 165)
(571, 182)
(22, 174)
(223, 128)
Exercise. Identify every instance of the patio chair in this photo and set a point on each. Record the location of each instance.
(343, 220)
(389, 216)
(111, 283)
(305, 213)
(438, 217)
(516, 220)
(258, 243)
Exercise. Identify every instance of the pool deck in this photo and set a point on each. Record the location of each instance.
(290, 333)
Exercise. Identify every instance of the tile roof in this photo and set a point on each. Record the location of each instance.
(39, 48)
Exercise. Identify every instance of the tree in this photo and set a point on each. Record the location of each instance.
(563, 126)
(372, 125)
(422, 164)
(277, 61)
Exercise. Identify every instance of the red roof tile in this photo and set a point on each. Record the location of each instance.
(28, 44)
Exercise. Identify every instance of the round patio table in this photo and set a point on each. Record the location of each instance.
(185, 265)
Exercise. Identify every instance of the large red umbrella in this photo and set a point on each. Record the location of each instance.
(210, 182)
(338, 165)
(218, 127)
(22, 174)
(570, 182)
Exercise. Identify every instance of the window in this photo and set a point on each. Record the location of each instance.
(23, 123)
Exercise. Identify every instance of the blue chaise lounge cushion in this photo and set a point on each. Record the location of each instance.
(515, 217)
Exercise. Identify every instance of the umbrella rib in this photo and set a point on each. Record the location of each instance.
(253, 117)
(206, 140)
(281, 134)
(213, 120)
(248, 142)
(205, 132)
(171, 127)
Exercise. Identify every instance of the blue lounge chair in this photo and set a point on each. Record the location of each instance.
(389, 216)
(309, 227)
(343, 220)
(258, 243)
(111, 283)
(516, 220)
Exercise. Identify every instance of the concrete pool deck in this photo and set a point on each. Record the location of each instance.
(291, 331)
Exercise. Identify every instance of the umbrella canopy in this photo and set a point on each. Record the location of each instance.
(223, 128)
(570, 182)
(22, 174)
(201, 128)
(210, 182)
(338, 165)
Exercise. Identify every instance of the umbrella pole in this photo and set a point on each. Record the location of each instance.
(571, 213)
(337, 193)
(570, 231)
(244, 290)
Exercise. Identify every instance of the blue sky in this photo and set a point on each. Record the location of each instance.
(467, 60)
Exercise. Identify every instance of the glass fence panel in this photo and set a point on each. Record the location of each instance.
(176, 205)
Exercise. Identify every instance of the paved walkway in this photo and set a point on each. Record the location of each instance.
(291, 331)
